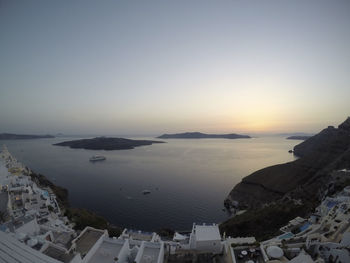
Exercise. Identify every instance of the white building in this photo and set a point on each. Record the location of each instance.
(119, 250)
(13, 250)
(206, 238)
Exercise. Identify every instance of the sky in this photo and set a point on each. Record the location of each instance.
(153, 67)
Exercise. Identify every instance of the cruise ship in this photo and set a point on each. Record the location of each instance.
(96, 158)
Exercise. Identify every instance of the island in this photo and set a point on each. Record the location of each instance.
(12, 136)
(199, 135)
(106, 143)
(302, 138)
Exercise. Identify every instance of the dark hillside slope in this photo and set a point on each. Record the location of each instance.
(279, 193)
(319, 155)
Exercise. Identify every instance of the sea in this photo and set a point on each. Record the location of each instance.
(188, 179)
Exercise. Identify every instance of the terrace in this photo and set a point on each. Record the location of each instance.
(243, 255)
(58, 253)
(193, 256)
(87, 239)
(107, 252)
(150, 253)
(63, 238)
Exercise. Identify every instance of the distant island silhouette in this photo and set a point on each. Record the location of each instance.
(106, 143)
(303, 138)
(199, 135)
(12, 136)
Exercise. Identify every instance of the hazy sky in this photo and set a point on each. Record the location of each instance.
(149, 67)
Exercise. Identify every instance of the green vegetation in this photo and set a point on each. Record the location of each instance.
(83, 218)
(2, 216)
(339, 186)
(263, 223)
(166, 232)
(255, 244)
(114, 231)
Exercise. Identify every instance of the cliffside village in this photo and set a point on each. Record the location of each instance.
(33, 228)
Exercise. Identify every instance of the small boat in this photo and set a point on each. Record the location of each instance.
(290, 151)
(146, 192)
(96, 158)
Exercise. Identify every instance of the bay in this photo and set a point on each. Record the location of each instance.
(188, 178)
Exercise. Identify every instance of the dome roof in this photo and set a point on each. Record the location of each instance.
(274, 252)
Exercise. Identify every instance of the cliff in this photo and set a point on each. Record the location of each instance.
(319, 155)
(306, 180)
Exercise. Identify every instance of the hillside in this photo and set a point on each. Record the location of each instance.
(304, 179)
(319, 154)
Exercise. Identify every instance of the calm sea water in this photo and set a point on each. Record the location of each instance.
(188, 179)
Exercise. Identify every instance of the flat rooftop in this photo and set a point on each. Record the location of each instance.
(150, 254)
(194, 256)
(108, 250)
(58, 254)
(140, 235)
(87, 240)
(207, 232)
(63, 238)
(14, 251)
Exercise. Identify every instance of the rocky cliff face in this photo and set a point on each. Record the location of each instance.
(345, 125)
(304, 178)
